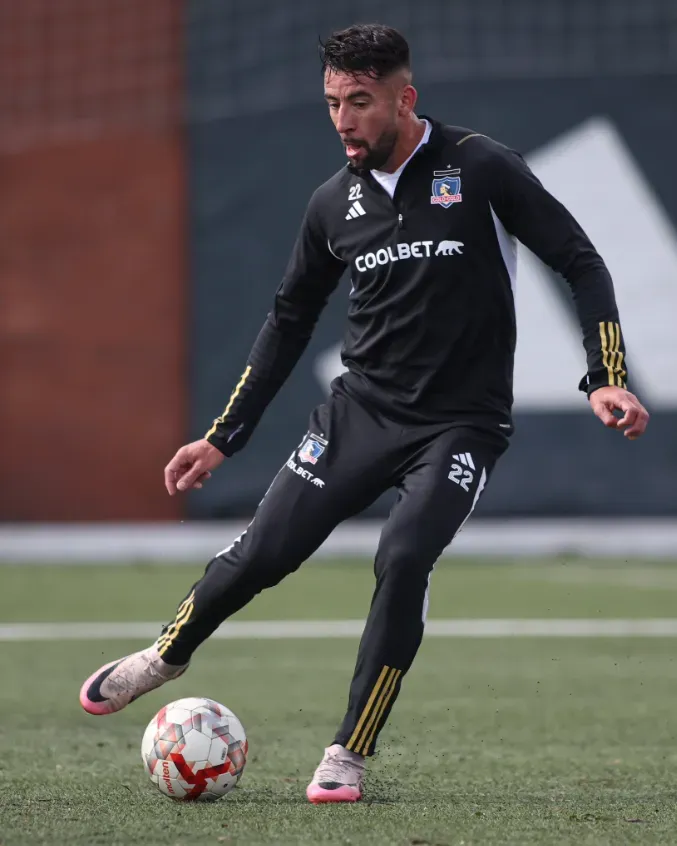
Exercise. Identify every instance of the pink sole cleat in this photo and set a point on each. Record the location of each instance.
(97, 705)
(338, 778)
(113, 686)
(317, 794)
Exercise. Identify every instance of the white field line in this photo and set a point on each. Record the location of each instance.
(268, 630)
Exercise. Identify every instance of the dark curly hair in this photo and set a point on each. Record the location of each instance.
(371, 50)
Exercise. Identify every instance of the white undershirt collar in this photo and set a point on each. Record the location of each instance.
(388, 181)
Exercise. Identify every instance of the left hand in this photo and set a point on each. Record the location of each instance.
(605, 401)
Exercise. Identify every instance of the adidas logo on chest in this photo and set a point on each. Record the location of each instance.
(356, 210)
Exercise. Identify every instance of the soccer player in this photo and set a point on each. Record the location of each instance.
(425, 219)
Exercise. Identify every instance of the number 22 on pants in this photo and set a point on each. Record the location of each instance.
(462, 473)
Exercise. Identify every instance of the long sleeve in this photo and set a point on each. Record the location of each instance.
(545, 226)
(312, 274)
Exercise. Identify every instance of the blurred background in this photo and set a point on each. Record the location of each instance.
(155, 162)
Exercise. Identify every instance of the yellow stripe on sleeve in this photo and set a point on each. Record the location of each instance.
(614, 340)
(612, 355)
(472, 135)
(621, 372)
(618, 365)
(605, 353)
(232, 399)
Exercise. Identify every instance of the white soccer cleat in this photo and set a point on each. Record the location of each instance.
(338, 778)
(115, 685)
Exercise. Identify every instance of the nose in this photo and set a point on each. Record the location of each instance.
(345, 120)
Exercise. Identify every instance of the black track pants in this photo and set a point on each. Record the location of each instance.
(349, 457)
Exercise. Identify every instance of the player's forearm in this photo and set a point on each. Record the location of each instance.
(597, 312)
(270, 362)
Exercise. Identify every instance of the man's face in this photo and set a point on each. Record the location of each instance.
(364, 112)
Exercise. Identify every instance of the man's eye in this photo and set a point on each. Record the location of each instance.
(360, 104)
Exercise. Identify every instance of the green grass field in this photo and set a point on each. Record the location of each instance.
(492, 741)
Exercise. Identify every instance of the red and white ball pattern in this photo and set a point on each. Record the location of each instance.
(194, 749)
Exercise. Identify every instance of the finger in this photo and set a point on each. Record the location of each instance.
(197, 484)
(639, 426)
(629, 417)
(189, 478)
(174, 470)
(170, 479)
(605, 415)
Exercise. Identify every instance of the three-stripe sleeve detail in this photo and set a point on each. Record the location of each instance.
(612, 355)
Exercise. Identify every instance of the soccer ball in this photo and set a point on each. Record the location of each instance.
(194, 749)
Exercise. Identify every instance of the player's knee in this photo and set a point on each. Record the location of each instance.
(264, 564)
(401, 560)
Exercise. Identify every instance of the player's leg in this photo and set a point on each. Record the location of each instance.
(437, 493)
(335, 472)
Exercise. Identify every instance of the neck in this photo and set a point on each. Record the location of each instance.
(407, 141)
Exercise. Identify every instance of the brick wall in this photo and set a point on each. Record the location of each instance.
(92, 265)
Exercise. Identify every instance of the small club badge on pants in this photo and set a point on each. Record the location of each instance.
(312, 449)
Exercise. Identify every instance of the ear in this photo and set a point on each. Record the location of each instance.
(408, 98)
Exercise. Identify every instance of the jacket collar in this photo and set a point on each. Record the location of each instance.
(437, 139)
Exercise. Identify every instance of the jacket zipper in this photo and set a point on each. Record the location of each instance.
(379, 187)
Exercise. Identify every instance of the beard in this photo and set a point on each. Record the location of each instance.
(377, 154)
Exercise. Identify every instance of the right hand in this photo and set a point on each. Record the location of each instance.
(191, 466)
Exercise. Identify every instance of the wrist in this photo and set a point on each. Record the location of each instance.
(219, 441)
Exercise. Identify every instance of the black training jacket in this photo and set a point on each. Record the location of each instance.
(431, 312)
